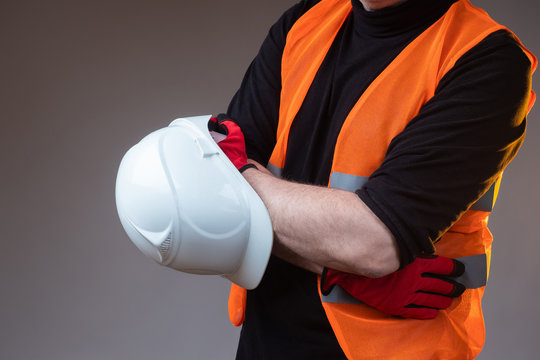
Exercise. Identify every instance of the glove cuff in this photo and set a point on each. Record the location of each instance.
(247, 166)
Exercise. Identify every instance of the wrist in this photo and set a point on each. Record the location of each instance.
(253, 174)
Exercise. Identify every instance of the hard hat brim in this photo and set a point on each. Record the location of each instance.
(259, 247)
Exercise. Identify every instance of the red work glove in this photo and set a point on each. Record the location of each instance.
(233, 145)
(417, 291)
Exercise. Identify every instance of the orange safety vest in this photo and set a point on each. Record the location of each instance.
(384, 109)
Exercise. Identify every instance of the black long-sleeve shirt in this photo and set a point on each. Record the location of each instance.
(441, 163)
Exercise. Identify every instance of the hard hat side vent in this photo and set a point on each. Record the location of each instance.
(164, 247)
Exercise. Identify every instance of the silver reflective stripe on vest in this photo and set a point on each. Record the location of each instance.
(475, 276)
(339, 296)
(346, 182)
(274, 169)
(485, 203)
(352, 183)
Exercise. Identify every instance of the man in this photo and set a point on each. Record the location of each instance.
(409, 111)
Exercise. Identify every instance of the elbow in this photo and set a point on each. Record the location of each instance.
(383, 264)
(377, 248)
(378, 261)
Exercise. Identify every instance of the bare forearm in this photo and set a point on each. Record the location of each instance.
(284, 253)
(325, 227)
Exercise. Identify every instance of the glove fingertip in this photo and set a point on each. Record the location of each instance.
(212, 123)
(431, 314)
(459, 268)
(420, 313)
(222, 117)
(445, 304)
(457, 290)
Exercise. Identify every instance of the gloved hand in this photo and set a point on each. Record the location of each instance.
(417, 291)
(233, 145)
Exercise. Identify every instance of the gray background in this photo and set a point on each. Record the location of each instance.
(82, 81)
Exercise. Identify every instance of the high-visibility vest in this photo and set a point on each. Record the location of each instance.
(382, 112)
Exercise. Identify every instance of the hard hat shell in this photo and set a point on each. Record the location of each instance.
(184, 204)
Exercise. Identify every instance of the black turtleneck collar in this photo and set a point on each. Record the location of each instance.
(402, 18)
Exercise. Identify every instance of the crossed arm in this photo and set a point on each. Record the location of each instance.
(445, 159)
(317, 226)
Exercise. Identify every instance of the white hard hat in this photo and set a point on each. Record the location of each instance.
(184, 204)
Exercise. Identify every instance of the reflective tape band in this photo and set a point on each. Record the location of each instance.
(475, 276)
(346, 182)
(352, 183)
(338, 180)
(485, 203)
(339, 296)
(274, 169)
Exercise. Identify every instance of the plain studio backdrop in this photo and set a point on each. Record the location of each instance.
(80, 83)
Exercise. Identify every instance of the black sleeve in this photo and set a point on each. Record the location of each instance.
(455, 148)
(255, 106)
